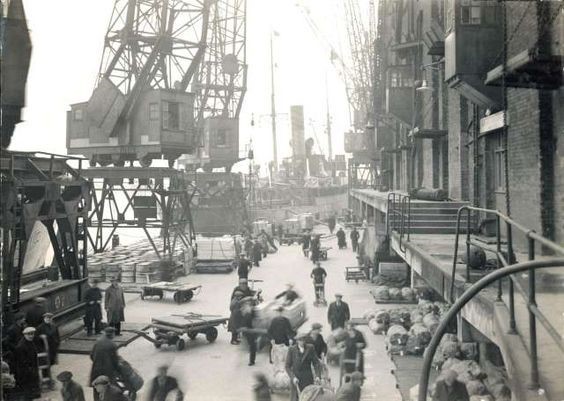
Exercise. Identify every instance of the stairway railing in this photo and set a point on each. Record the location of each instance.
(506, 259)
(398, 217)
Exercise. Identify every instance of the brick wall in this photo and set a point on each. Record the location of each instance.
(558, 106)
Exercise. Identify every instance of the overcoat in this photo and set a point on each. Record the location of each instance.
(114, 302)
(26, 369)
(299, 365)
(51, 331)
(337, 315)
(104, 358)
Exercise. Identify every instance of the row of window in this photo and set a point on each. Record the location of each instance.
(473, 12)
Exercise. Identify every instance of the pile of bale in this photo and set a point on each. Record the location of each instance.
(483, 383)
(387, 293)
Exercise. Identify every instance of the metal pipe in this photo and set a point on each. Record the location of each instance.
(498, 240)
(468, 245)
(461, 302)
(456, 238)
(511, 259)
(533, 322)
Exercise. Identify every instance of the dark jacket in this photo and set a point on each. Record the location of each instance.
(114, 302)
(337, 315)
(455, 393)
(319, 345)
(92, 294)
(243, 269)
(355, 236)
(235, 318)
(348, 392)
(34, 315)
(351, 351)
(26, 370)
(14, 334)
(104, 358)
(318, 274)
(306, 239)
(53, 339)
(112, 394)
(159, 392)
(72, 392)
(280, 330)
(257, 251)
(300, 365)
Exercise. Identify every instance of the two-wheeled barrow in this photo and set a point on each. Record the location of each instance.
(182, 292)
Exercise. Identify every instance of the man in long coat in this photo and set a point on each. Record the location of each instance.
(26, 366)
(244, 267)
(299, 363)
(235, 318)
(341, 239)
(338, 312)
(257, 253)
(315, 248)
(50, 330)
(354, 344)
(114, 303)
(104, 357)
(354, 239)
(93, 316)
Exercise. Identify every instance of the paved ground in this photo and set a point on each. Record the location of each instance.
(219, 371)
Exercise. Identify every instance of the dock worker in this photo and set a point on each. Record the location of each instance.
(249, 247)
(235, 318)
(14, 333)
(244, 267)
(280, 330)
(71, 390)
(243, 286)
(257, 253)
(338, 312)
(104, 357)
(247, 316)
(289, 295)
(306, 240)
(34, 315)
(354, 344)
(114, 303)
(315, 248)
(104, 390)
(162, 385)
(26, 368)
(332, 222)
(300, 363)
(93, 316)
(341, 239)
(354, 239)
(50, 330)
(318, 274)
(316, 339)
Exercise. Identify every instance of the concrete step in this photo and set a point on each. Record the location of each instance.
(434, 223)
(434, 210)
(434, 230)
(442, 205)
(436, 217)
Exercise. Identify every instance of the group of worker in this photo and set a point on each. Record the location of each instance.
(257, 249)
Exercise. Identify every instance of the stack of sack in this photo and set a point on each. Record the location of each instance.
(389, 293)
(280, 381)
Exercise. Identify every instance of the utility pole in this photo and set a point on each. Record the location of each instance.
(328, 116)
(273, 107)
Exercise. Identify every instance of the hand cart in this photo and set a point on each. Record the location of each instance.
(181, 292)
(355, 273)
(169, 330)
(319, 294)
(323, 252)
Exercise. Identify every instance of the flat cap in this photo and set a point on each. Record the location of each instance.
(64, 376)
(48, 314)
(29, 330)
(101, 380)
(316, 326)
(339, 295)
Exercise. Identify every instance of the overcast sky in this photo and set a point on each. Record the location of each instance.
(68, 38)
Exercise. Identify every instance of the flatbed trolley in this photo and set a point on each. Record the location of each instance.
(181, 292)
(355, 273)
(323, 252)
(320, 299)
(170, 330)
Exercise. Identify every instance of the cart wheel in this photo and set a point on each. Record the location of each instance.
(192, 335)
(188, 295)
(211, 334)
(177, 298)
(180, 344)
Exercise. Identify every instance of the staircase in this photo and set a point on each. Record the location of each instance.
(428, 217)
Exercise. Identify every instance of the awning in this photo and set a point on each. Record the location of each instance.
(428, 133)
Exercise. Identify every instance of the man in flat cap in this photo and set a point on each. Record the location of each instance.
(14, 333)
(34, 315)
(316, 339)
(114, 303)
(280, 330)
(51, 332)
(104, 390)
(338, 312)
(71, 390)
(93, 315)
(299, 363)
(104, 357)
(26, 368)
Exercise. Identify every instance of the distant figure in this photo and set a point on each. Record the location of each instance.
(338, 312)
(162, 385)
(280, 231)
(354, 344)
(315, 248)
(316, 339)
(300, 363)
(104, 357)
(114, 303)
(331, 222)
(280, 330)
(257, 253)
(318, 274)
(354, 239)
(26, 368)
(306, 240)
(50, 330)
(249, 248)
(247, 316)
(71, 390)
(244, 288)
(244, 267)
(261, 389)
(350, 391)
(93, 316)
(341, 239)
(34, 315)
(289, 295)
(448, 388)
(235, 318)
(8, 383)
(104, 390)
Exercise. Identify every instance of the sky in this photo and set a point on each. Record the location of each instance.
(68, 35)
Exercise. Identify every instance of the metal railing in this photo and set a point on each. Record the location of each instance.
(398, 217)
(506, 258)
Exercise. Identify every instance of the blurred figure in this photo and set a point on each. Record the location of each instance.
(306, 240)
(244, 267)
(331, 223)
(257, 253)
(26, 366)
(93, 316)
(341, 239)
(316, 339)
(318, 274)
(249, 248)
(105, 391)
(354, 239)
(448, 388)
(338, 312)
(244, 288)
(247, 316)
(71, 390)
(261, 388)
(104, 357)
(14, 333)
(315, 248)
(114, 303)
(280, 330)
(51, 332)
(354, 344)
(8, 383)
(289, 295)
(34, 315)
(300, 364)
(235, 317)
(162, 385)
(351, 390)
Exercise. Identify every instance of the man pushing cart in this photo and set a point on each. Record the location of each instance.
(318, 274)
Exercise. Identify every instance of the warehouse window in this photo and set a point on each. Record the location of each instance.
(171, 115)
(499, 162)
(470, 12)
(153, 111)
(78, 115)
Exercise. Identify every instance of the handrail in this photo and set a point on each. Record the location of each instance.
(399, 211)
(462, 301)
(507, 259)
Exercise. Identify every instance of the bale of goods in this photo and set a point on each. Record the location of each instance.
(382, 317)
(397, 279)
(431, 321)
(475, 387)
(422, 333)
(401, 317)
(317, 393)
(425, 307)
(469, 351)
(377, 328)
(416, 316)
(467, 371)
(414, 346)
(407, 294)
(280, 382)
(449, 363)
(441, 307)
(395, 294)
(335, 345)
(369, 315)
(381, 293)
(397, 335)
